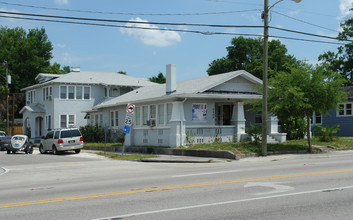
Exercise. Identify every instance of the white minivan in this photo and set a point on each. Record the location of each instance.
(62, 140)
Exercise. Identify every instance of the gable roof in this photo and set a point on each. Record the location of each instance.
(92, 78)
(192, 88)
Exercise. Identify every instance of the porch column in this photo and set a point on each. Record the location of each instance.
(272, 129)
(177, 136)
(238, 119)
(272, 125)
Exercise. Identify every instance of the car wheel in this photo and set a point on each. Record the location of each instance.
(77, 151)
(31, 150)
(55, 151)
(13, 151)
(8, 151)
(41, 149)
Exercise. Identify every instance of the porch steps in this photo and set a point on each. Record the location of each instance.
(271, 140)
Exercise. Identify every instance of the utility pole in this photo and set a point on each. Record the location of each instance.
(264, 76)
(5, 64)
(264, 82)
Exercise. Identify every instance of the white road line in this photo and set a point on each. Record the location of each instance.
(210, 173)
(5, 171)
(224, 203)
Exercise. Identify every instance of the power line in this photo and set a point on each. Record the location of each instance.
(168, 23)
(304, 21)
(133, 22)
(128, 13)
(176, 30)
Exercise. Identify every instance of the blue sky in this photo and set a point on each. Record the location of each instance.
(145, 53)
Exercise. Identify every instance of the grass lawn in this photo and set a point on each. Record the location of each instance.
(102, 144)
(292, 145)
(126, 156)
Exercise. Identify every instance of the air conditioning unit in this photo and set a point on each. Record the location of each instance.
(151, 123)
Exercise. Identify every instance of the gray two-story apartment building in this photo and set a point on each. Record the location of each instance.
(58, 100)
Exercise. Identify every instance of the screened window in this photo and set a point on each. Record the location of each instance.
(78, 92)
(71, 92)
(63, 121)
(161, 114)
(169, 111)
(152, 111)
(112, 119)
(87, 93)
(137, 116)
(101, 119)
(63, 92)
(144, 114)
(116, 119)
(71, 120)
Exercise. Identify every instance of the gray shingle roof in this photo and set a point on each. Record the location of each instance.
(94, 78)
(183, 89)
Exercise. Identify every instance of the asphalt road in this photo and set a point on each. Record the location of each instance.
(86, 186)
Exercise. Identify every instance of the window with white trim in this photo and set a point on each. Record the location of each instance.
(63, 92)
(169, 111)
(79, 92)
(137, 116)
(153, 112)
(161, 114)
(144, 115)
(114, 119)
(31, 97)
(67, 121)
(71, 92)
(47, 93)
(48, 122)
(344, 109)
(87, 93)
(316, 119)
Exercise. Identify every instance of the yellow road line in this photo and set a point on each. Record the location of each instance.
(170, 187)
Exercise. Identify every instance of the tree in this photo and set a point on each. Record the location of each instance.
(122, 72)
(307, 89)
(342, 61)
(158, 79)
(27, 54)
(55, 69)
(247, 54)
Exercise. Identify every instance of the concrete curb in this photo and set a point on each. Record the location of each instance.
(169, 151)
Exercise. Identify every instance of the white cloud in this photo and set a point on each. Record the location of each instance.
(62, 2)
(60, 45)
(159, 38)
(345, 6)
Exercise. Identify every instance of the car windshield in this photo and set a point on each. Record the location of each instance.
(18, 138)
(70, 133)
(2, 134)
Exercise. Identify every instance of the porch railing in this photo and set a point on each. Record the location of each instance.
(210, 134)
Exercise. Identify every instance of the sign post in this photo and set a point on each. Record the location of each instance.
(130, 110)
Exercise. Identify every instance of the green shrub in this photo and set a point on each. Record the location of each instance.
(326, 133)
(95, 133)
(255, 132)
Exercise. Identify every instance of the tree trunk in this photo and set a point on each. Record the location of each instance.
(308, 133)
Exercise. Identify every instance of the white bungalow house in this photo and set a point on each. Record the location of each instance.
(199, 110)
(58, 101)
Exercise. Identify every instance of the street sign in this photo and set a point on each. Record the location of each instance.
(130, 108)
(127, 129)
(128, 120)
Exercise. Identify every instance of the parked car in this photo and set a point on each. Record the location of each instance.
(4, 140)
(62, 140)
(19, 143)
